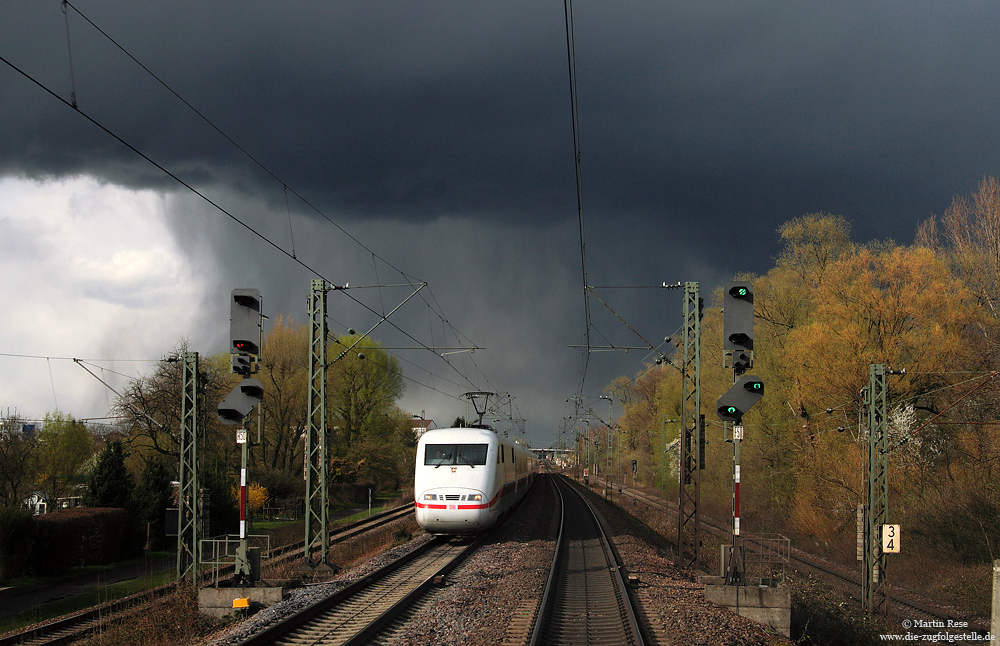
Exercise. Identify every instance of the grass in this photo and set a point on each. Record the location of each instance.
(272, 525)
(28, 581)
(176, 619)
(350, 552)
(380, 502)
(172, 620)
(84, 600)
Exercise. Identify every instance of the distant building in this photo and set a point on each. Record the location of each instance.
(37, 503)
(69, 502)
(421, 426)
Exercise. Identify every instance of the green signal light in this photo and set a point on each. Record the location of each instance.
(742, 291)
(730, 410)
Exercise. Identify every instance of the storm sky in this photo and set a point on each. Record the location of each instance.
(391, 142)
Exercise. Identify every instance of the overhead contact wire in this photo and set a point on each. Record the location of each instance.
(211, 202)
(227, 137)
(261, 165)
(574, 109)
(69, 50)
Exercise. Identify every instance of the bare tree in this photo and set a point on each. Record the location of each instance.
(17, 465)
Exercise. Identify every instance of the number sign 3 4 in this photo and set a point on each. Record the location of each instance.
(890, 539)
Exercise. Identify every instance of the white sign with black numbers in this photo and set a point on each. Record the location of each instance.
(241, 436)
(890, 539)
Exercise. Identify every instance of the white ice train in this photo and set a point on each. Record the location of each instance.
(467, 478)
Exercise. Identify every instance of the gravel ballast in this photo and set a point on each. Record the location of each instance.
(492, 597)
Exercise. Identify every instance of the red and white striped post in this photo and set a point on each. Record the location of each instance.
(243, 576)
(734, 573)
(243, 503)
(736, 500)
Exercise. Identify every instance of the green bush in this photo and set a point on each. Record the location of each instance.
(349, 494)
(69, 538)
(968, 530)
(219, 482)
(111, 483)
(281, 486)
(16, 529)
(150, 499)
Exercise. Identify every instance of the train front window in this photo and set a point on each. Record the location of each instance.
(438, 454)
(472, 454)
(453, 454)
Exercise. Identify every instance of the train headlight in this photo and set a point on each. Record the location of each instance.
(478, 496)
(430, 496)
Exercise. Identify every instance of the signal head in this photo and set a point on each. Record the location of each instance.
(241, 364)
(740, 398)
(240, 401)
(737, 317)
(244, 321)
(741, 291)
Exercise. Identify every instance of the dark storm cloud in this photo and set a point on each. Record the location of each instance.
(435, 130)
(421, 109)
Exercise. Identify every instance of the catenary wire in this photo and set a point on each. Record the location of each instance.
(211, 202)
(574, 115)
(435, 307)
(286, 188)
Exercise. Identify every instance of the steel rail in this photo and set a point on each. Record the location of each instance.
(335, 612)
(602, 584)
(69, 628)
(803, 558)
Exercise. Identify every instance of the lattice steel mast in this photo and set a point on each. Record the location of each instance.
(317, 535)
(689, 489)
(874, 589)
(188, 509)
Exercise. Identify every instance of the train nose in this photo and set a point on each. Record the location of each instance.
(451, 511)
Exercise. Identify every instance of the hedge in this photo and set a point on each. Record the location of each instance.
(69, 538)
(16, 528)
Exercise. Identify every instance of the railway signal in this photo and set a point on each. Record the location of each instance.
(737, 322)
(241, 364)
(740, 398)
(240, 401)
(244, 328)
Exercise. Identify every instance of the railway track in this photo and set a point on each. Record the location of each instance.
(585, 601)
(67, 629)
(902, 604)
(343, 533)
(360, 611)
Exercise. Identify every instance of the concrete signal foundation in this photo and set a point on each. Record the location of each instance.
(219, 602)
(769, 606)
